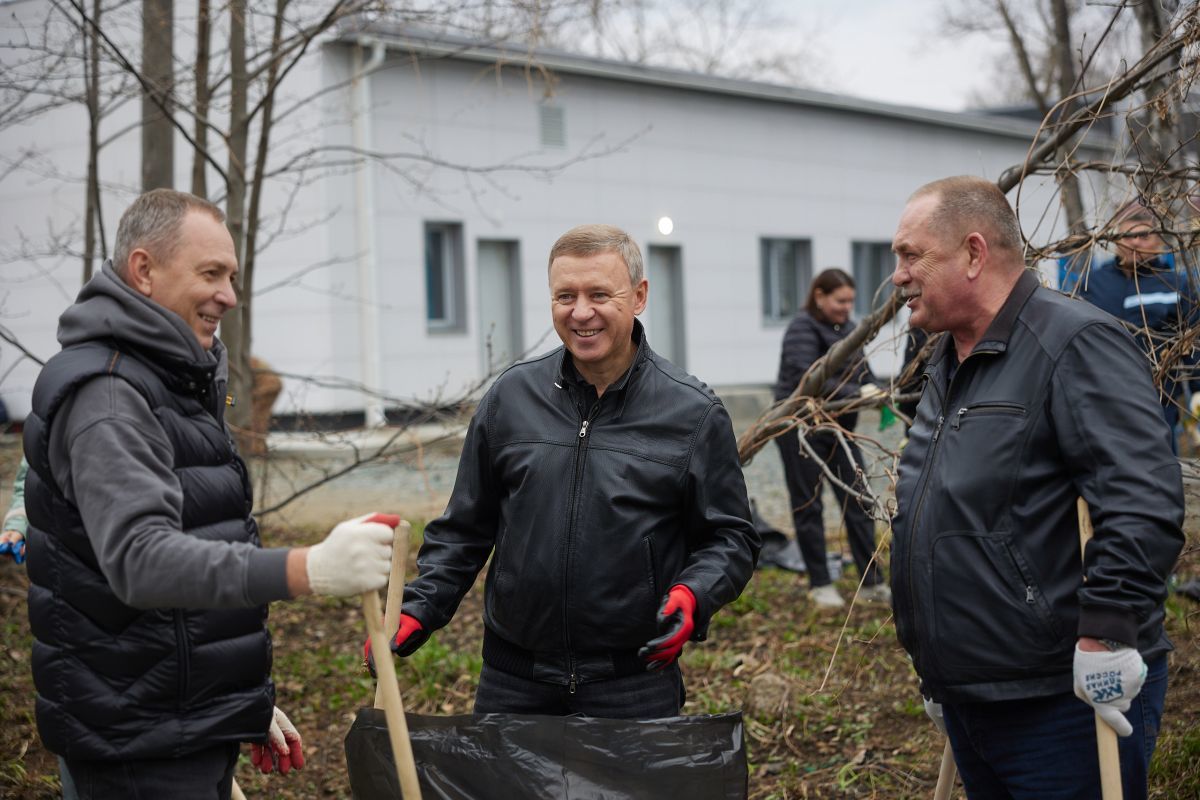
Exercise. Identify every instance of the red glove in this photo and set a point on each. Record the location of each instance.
(675, 624)
(283, 749)
(409, 636)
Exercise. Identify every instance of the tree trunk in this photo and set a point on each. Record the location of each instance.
(203, 43)
(235, 332)
(1070, 194)
(1154, 129)
(93, 222)
(158, 68)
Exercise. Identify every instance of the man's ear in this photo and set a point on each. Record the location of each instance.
(641, 293)
(138, 272)
(977, 249)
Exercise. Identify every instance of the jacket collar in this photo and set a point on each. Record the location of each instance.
(995, 338)
(568, 374)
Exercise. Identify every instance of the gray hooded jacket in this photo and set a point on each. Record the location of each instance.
(140, 528)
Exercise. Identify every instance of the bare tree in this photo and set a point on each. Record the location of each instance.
(158, 70)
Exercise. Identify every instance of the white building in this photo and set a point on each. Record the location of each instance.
(398, 276)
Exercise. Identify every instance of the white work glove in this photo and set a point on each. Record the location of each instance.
(283, 751)
(934, 712)
(355, 557)
(869, 391)
(1108, 681)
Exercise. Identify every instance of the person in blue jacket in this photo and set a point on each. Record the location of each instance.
(1142, 288)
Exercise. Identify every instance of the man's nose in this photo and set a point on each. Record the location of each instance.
(897, 278)
(227, 294)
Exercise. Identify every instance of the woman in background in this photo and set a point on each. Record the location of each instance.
(823, 322)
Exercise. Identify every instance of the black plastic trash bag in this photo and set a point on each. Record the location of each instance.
(491, 756)
(777, 549)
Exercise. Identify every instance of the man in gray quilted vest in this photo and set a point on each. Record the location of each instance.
(149, 586)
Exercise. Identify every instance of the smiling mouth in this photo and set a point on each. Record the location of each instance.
(587, 333)
(210, 320)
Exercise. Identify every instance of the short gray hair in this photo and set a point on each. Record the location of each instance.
(967, 203)
(152, 222)
(587, 240)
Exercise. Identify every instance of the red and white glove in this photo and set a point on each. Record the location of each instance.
(675, 624)
(355, 557)
(283, 751)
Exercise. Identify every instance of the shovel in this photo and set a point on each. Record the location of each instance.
(945, 783)
(387, 691)
(1106, 737)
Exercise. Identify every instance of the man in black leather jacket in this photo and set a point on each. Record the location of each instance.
(1032, 400)
(604, 483)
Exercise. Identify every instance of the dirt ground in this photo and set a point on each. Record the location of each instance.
(832, 708)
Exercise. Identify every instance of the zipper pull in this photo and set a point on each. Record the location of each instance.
(1028, 594)
(938, 430)
(571, 685)
(958, 418)
(583, 433)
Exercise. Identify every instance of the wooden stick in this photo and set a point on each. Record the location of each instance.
(945, 783)
(395, 590)
(385, 669)
(1106, 737)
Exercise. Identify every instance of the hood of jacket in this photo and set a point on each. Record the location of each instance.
(108, 308)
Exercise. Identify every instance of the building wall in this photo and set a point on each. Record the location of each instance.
(728, 170)
(462, 145)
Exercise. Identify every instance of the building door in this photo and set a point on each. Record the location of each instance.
(501, 340)
(663, 316)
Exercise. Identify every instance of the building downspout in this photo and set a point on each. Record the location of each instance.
(364, 185)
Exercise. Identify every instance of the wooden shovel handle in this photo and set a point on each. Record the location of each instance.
(945, 782)
(1106, 737)
(387, 691)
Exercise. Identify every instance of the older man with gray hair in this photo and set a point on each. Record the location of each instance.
(1031, 400)
(148, 585)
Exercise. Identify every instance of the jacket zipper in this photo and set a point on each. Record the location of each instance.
(924, 491)
(181, 653)
(996, 408)
(580, 453)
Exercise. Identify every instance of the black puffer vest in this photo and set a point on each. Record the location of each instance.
(115, 682)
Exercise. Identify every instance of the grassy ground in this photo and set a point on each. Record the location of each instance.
(832, 708)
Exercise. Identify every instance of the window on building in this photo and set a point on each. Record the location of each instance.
(786, 272)
(445, 309)
(553, 125)
(873, 267)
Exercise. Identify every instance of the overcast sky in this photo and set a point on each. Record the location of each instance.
(894, 50)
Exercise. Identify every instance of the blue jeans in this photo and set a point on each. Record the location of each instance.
(1044, 748)
(645, 695)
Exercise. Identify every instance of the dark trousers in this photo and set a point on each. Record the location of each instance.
(644, 695)
(204, 775)
(804, 477)
(1044, 748)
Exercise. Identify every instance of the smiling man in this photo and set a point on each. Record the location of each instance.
(148, 586)
(1031, 399)
(603, 482)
